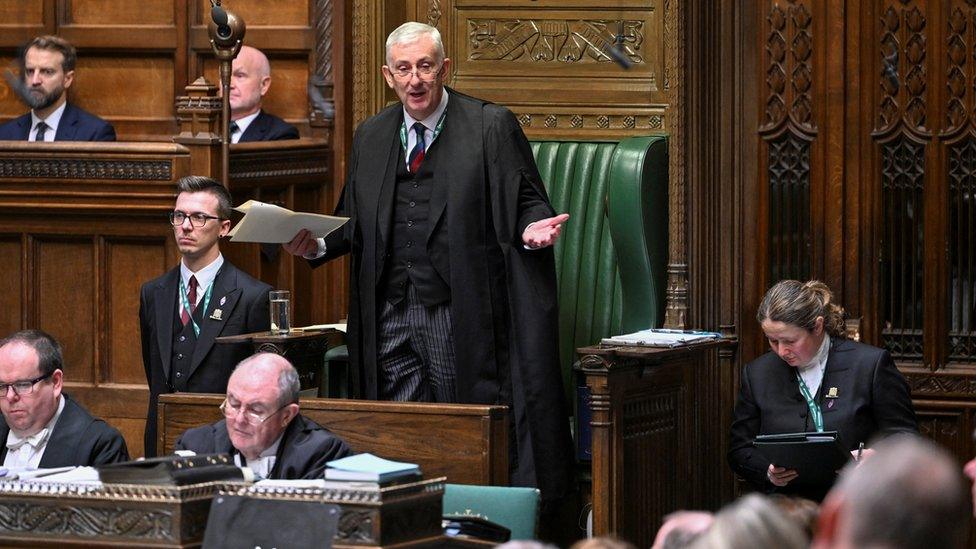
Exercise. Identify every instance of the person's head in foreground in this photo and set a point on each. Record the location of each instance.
(909, 495)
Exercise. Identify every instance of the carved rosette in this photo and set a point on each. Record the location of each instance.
(80, 168)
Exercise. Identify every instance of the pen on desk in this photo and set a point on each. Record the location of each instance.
(860, 450)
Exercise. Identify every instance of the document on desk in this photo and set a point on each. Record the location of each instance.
(273, 224)
(816, 456)
(656, 337)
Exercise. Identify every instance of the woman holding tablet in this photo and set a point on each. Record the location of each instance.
(813, 379)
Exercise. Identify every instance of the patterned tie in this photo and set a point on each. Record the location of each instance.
(234, 128)
(41, 130)
(417, 154)
(191, 297)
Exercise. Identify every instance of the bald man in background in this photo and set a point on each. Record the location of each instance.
(250, 80)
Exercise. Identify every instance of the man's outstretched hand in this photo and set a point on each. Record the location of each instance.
(302, 245)
(544, 232)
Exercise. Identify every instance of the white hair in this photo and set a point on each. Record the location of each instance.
(409, 33)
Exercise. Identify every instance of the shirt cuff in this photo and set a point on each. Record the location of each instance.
(320, 242)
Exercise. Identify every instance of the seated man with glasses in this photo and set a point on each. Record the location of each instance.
(262, 428)
(182, 312)
(42, 426)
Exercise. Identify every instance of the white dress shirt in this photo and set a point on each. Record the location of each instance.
(205, 278)
(242, 124)
(26, 452)
(266, 460)
(52, 121)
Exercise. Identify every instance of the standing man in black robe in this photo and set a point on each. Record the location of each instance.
(453, 287)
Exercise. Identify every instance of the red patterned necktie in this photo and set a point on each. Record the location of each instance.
(191, 298)
(417, 154)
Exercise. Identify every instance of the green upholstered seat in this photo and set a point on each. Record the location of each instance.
(514, 508)
(611, 258)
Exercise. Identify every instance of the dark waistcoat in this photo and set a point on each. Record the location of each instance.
(407, 259)
(184, 342)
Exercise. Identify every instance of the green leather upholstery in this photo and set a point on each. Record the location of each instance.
(611, 258)
(514, 508)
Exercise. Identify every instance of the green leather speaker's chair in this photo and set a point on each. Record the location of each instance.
(611, 257)
(514, 508)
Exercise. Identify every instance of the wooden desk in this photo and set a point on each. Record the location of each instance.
(466, 443)
(660, 431)
(305, 350)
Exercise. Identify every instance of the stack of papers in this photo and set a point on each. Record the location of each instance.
(369, 468)
(276, 225)
(661, 338)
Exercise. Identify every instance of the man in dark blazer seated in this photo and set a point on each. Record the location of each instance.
(453, 288)
(250, 80)
(47, 70)
(182, 312)
(42, 426)
(263, 428)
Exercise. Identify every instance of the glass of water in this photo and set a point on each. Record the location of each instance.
(280, 311)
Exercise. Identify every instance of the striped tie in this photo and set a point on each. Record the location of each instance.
(191, 297)
(417, 154)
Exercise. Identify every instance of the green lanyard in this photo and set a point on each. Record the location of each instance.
(185, 301)
(815, 412)
(437, 131)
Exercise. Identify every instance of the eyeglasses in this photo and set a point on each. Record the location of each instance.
(424, 71)
(198, 219)
(24, 387)
(231, 410)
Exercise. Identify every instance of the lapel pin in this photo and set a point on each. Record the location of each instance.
(832, 392)
(830, 404)
(217, 314)
(223, 300)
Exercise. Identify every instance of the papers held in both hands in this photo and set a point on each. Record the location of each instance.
(655, 337)
(276, 225)
(369, 468)
(816, 456)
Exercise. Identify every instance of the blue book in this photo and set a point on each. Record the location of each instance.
(369, 468)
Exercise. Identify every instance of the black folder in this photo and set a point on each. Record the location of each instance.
(816, 456)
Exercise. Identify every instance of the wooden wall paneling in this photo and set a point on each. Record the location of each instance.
(63, 291)
(128, 263)
(130, 62)
(21, 20)
(11, 282)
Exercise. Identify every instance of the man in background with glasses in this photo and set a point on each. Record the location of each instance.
(262, 427)
(182, 312)
(453, 282)
(42, 426)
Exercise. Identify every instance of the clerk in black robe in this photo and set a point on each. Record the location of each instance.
(484, 192)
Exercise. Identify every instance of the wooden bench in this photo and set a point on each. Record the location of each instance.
(468, 444)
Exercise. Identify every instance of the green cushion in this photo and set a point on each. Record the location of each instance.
(611, 258)
(514, 508)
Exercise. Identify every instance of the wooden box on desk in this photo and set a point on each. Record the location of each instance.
(55, 515)
(467, 443)
(404, 515)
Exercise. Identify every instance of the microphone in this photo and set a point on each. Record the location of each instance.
(219, 17)
(890, 70)
(316, 98)
(616, 52)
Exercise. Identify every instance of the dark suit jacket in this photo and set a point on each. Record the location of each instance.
(305, 447)
(872, 400)
(75, 125)
(243, 301)
(268, 127)
(486, 189)
(78, 440)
